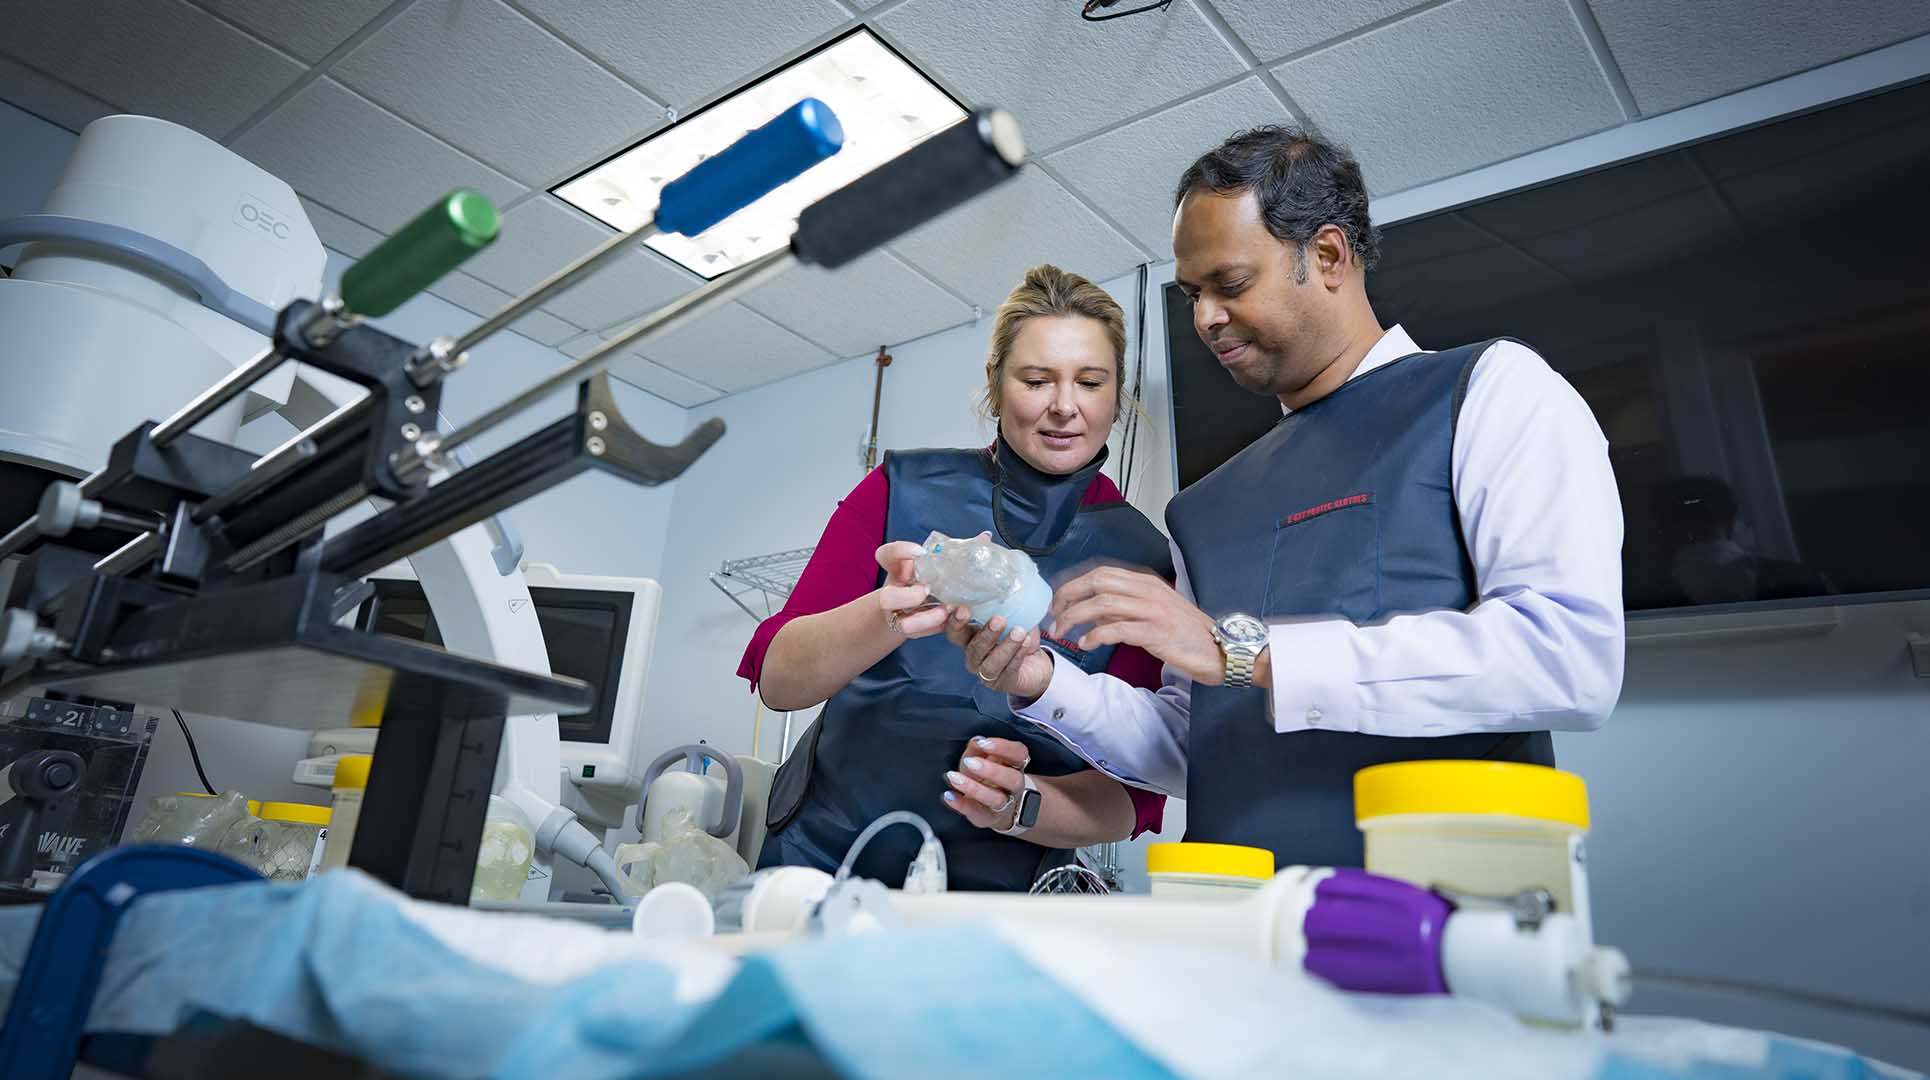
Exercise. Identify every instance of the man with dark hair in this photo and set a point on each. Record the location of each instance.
(1420, 561)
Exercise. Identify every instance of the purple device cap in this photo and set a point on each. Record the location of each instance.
(1378, 934)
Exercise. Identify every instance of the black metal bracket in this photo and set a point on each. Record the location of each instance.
(596, 436)
(362, 354)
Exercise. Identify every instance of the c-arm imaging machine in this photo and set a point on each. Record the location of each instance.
(161, 565)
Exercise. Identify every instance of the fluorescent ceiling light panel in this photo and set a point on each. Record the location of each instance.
(883, 103)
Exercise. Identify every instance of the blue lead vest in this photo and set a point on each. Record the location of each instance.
(886, 740)
(1345, 507)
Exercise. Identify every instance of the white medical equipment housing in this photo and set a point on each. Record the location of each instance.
(159, 236)
(155, 235)
(599, 629)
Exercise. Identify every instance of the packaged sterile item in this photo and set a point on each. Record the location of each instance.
(303, 834)
(1478, 828)
(992, 580)
(687, 854)
(351, 783)
(192, 818)
(249, 842)
(502, 860)
(1207, 871)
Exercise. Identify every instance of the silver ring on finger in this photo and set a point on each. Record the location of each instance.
(891, 622)
(1010, 798)
(988, 680)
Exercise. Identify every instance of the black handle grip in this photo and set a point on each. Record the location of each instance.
(964, 160)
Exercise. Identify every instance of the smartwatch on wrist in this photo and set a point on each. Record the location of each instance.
(1025, 813)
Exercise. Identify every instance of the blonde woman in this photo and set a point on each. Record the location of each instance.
(905, 725)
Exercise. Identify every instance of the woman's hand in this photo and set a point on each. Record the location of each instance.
(1014, 664)
(986, 785)
(907, 606)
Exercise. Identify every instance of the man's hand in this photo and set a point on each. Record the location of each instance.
(1132, 607)
(907, 606)
(1015, 665)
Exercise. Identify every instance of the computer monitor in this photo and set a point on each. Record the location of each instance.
(597, 629)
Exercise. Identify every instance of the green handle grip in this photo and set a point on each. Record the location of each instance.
(460, 224)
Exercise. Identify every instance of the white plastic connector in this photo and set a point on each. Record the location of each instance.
(1603, 976)
(927, 872)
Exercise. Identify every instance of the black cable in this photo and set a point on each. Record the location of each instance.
(194, 752)
(1086, 12)
(1129, 443)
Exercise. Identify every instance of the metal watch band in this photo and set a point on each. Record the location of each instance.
(1239, 665)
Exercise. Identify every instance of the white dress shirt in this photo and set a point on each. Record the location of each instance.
(1541, 649)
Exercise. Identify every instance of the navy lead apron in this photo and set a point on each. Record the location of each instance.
(885, 741)
(1346, 507)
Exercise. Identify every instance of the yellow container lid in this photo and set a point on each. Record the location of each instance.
(1471, 787)
(352, 771)
(254, 806)
(294, 811)
(1232, 860)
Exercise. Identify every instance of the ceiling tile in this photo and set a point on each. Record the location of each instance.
(734, 348)
(482, 300)
(49, 98)
(535, 108)
(336, 147)
(633, 284)
(1454, 88)
(347, 236)
(983, 248)
(308, 29)
(663, 382)
(1061, 76)
(877, 300)
(156, 57)
(1273, 29)
(541, 326)
(684, 51)
(579, 346)
(544, 235)
(538, 238)
(1130, 172)
(1675, 54)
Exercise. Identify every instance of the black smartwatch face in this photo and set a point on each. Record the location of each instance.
(1029, 809)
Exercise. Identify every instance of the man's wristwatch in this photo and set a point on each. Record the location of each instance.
(1241, 638)
(1026, 813)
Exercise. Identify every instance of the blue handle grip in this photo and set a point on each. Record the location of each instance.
(753, 166)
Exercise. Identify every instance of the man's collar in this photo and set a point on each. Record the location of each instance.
(1393, 345)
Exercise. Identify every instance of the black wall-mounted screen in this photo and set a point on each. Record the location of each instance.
(1748, 317)
(583, 632)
